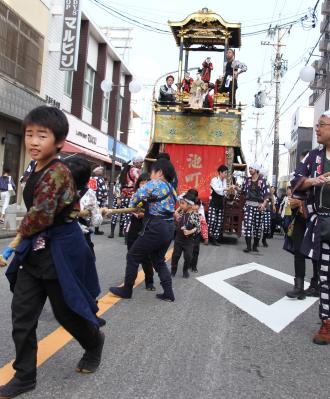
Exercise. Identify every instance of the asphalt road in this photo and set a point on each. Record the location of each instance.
(200, 346)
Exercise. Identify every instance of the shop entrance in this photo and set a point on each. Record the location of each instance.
(12, 154)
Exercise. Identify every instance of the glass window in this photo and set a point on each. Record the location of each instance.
(105, 106)
(89, 87)
(21, 49)
(68, 83)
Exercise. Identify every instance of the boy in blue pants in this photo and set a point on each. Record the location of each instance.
(53, 259)
(157, 232)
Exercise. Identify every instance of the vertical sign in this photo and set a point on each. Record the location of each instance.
(70, 35)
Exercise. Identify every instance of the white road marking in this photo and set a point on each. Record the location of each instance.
(276, 316)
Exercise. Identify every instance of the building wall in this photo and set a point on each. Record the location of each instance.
(20, 85)
(35, 12)
(53, 78)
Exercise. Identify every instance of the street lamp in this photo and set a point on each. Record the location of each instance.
(107, 86)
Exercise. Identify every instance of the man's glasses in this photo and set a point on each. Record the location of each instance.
(321, 125)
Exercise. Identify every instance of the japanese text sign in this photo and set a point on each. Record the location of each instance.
(70, 35)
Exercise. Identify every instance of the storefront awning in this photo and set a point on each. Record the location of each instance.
(77, 149)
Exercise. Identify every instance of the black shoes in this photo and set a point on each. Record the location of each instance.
(194, 270)
(122, 292)
(214, 242)
(16, 387)
(264, 242)
(112, 231)
(101, 321)
(150, 287)
(91, 359)
(99, 233)
(298, 289)
(166, 298)
(185, 273)
(248, 241)
(255, 245)
(313, 289)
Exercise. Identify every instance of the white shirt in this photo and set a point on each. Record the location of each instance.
(219, 185)
(89, 201)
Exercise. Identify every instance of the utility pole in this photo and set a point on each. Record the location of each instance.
(257, 132)
(279, 69)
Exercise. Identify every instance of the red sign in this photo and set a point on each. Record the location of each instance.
(196, 165)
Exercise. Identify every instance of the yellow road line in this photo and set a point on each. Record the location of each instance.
(56, 340)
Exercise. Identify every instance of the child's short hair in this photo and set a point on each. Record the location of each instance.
(166, 167)
(189, 197)
(143, 177)
(222, 168)
(80, 169)
(164, 155)
(193, 192)
(51, 118)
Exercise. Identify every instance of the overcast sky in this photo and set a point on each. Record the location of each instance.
(154, 54)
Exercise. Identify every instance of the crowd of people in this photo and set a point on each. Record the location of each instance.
(54, 255)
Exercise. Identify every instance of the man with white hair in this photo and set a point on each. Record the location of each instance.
(313, 176)
(256, 192)
(127, 179)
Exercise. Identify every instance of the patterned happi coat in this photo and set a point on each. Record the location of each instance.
(311, 166)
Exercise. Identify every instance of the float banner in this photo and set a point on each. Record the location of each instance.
(215, 129)
(196, 165)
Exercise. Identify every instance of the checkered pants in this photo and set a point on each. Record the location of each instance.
(266, 223)
(252, 221)
(123, 218)
(324, 278)
(215, 222)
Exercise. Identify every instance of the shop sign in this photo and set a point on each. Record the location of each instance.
(70, 35)
(84, 135)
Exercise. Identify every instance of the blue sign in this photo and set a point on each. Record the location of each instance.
(124, 153)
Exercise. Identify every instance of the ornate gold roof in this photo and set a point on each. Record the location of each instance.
(207, 28)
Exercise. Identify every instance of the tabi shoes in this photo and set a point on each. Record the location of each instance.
(16, 387)
(185, 273)
(150, 287)
(166, 298)
(91, 359)
(122, 292)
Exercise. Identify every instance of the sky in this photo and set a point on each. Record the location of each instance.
(154, 54)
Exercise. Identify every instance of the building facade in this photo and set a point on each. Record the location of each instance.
(301, 135)
(321, 84)
(23, 30)
(92, 113)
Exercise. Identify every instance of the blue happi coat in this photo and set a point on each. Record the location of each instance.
(74, 264)
(311, 166)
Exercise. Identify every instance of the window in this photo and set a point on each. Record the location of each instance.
(105, 106)
(89, 87)
(68, 83)
(21, 49)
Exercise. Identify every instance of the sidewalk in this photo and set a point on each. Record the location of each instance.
(4, 233)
